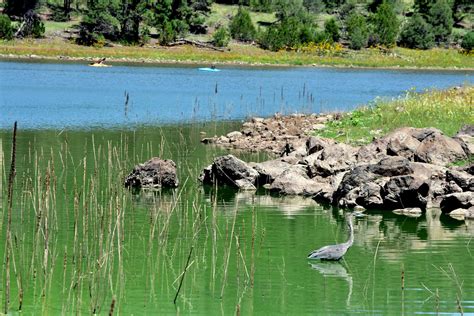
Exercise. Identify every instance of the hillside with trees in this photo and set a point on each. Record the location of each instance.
(271, 24)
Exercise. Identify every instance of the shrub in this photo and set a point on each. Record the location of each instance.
(416, 34)
(221, 37)
(6, 29)
(441, 19)
(96, 26)
(468, 42)
(241, 26)
(332, 30)
(385, 24)
(357, 31)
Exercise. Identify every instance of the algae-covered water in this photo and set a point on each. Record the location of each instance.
(82, 244)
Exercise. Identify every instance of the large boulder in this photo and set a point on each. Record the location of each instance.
(295, 181)
(439, 149)
(334, 159)
(454, 201)
(231, 171)
(401, 143)
(155, 173)
(270, 170)
(388, 184)
(405, 191)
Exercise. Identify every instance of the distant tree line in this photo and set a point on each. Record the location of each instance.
(355, 23)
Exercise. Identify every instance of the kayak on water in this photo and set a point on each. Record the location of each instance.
(209, 69)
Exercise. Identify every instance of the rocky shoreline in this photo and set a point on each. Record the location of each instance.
(405, 171)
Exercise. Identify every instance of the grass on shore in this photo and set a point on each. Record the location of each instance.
(240, 54)
(447, 110)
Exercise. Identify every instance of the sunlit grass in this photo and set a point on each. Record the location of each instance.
(447, 110)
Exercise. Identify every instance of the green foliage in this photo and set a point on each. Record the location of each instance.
(446, 110)
(357, 31)
(331, 5)
(99, 24)
(422, 6)
(261, 5)
(468, 42)
(241, 26)
(385, 25)
(290, 32)
(6, 29)
(441, 19)
(331, 29)
(416, 33)
(221, 37)
(293, 28)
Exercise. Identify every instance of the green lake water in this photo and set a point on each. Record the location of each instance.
(82, 244)
(81, 241)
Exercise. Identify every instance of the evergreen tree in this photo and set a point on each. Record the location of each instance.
(357, 31)
(294, 27)
(441, 19)
(417, 33)
(385, 24)
(241, 26)
(331, 29)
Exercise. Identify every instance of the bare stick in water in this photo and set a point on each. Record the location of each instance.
(8, 247)
(182, 277)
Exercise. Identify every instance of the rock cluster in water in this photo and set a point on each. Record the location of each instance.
(155, 173)
(403, 171)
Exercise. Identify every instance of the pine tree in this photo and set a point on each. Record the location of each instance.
(417, 33)
(385, 24)
(441, 19)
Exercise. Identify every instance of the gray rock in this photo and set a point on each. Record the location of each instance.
(422, 133)
(466, 142)
(405, 191)
(315, 144)
(454, 201)
(334, 159)
(269, 170)
(392, 166)
(466, 130)
(154, 173)
(401, 143)
(439, 149)
(373, 152)
(228, 169)
(233, 135)
(294, 181)
(463, 179)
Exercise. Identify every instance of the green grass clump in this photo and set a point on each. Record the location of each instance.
(447, 110)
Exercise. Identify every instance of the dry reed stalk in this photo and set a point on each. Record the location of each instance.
(183, 275)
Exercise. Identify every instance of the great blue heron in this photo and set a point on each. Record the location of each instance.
(334, 252)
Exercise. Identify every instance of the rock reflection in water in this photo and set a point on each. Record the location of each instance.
(395, 232)
(288, 205)
(335, 270)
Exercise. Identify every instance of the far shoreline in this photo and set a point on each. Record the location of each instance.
(135, 62)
